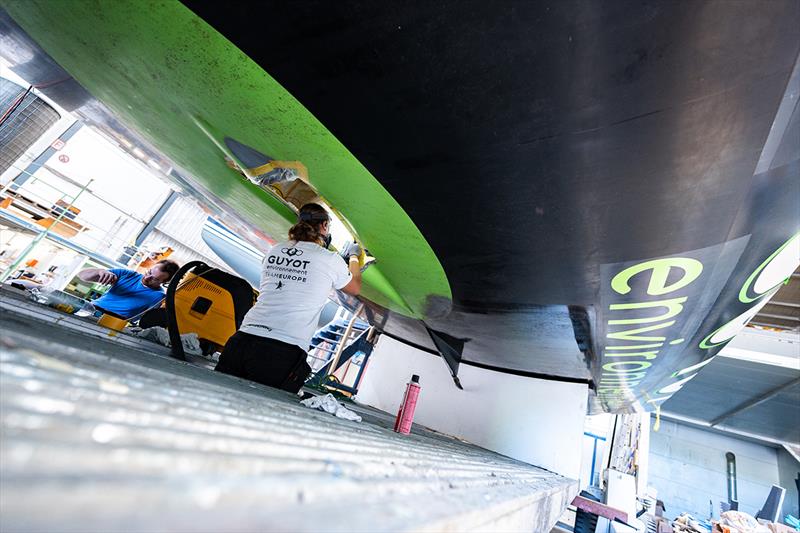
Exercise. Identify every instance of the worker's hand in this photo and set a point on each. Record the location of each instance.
(104, 277)
(353, 249)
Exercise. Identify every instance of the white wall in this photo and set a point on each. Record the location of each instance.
(687, 467)
(599, 425)
(181, 228)
(536, 421)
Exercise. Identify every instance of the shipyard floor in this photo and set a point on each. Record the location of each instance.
(102, 434)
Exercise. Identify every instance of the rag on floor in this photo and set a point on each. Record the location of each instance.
(329, 404)
(190, 341)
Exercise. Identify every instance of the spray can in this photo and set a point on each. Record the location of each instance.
(405, 415)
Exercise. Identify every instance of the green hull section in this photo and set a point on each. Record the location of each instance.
(160, 68)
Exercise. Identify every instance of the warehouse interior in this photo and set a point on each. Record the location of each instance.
(562, 266)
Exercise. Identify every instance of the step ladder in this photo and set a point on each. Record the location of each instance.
(329, 345)
(330, 340)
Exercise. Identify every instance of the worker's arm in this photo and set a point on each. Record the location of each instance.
(353, 288)
(353, 255)
(98, 275)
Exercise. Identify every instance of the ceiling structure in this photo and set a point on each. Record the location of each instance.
(750, 389)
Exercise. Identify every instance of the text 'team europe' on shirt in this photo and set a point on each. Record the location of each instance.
(296, 279)
(128, 297)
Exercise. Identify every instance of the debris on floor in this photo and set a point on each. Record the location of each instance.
(738, 521)
(190, 341)
(329, 404)
(689, 524)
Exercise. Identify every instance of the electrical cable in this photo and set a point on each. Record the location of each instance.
(50, 83)
(19, 100)
(14, 106)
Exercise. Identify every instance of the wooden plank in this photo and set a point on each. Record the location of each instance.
(600, 509)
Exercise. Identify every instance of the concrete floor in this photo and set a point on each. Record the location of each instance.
(99, 436)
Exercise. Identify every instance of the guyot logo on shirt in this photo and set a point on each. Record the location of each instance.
(291, 252)
(286, 261)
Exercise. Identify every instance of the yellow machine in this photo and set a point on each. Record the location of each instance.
(208, 302)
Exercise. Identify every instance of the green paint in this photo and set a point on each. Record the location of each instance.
(635, 347)
(158, 67)
(656, 273)
(693, 367)
(643, 355)
(706, 343)
(632, 334)
(673, 306)
(640, 365)
(660, 273)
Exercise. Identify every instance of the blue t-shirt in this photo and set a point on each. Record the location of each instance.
(128, 297)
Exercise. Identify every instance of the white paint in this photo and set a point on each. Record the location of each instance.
(692, 368)
(533, 420)
(675, 387)
(732, 328)
(780, 268)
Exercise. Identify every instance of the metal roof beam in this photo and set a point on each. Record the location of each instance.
(785, 304)
(786, 327)
(755, 401)
(782, 317)
(704, 424)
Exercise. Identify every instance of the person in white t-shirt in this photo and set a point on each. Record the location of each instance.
(296, 278)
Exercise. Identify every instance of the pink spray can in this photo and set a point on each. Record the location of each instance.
(405, 415)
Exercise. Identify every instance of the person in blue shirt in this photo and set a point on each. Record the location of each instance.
(131, 293)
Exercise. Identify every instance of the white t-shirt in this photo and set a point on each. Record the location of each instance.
(296, 279)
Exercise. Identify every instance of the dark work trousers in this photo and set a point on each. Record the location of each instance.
(154, 317)
(263, 360)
